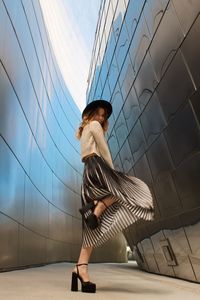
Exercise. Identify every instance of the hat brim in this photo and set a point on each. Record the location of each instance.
(101, 103)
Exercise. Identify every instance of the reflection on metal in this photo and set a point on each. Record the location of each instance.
(38, 182)
(139, 254)
(149, 71)
(168, 252)
(40, 164)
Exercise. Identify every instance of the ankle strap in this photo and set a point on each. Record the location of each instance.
(104, 203)
(79, 265)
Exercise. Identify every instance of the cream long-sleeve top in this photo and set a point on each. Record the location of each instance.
(93, 141)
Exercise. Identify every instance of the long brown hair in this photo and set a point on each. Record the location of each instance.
(87, 118)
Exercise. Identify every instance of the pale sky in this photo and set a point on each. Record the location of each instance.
(71, 25)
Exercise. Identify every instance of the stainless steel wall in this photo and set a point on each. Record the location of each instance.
(146, 61)
(40, 165)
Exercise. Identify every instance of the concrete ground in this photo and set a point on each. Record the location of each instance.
(113, 280)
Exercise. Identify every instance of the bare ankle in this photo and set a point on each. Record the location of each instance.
(109, 201)
(81, 268)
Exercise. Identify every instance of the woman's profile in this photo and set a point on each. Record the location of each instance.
(111, 199)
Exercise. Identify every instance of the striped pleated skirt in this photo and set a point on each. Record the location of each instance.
(133, 200)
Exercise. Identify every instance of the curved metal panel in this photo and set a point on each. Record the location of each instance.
(153, 63)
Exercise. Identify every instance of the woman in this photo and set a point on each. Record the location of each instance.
(111, 200)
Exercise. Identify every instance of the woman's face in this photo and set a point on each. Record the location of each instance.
(100, 115)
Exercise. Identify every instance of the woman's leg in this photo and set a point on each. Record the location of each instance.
(84, 258)
(100, 207)
(86, 252)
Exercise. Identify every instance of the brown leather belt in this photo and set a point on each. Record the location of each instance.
(85, 157)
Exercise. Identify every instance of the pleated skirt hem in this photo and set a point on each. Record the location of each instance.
(133, 200)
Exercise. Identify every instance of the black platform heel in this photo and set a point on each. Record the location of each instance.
(90, 218)
(86, 286)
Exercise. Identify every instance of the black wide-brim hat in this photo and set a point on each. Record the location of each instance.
(101, 103)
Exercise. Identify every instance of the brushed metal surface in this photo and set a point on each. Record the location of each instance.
(191, 54)
(146, 62)
(40, 165)
(153, 126)
(166, 41)
(121, 129)
(9, 253)
(153, 77)
(145, 81)
(12, 187)
(131, 109)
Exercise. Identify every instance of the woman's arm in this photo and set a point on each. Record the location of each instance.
(97, 131)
